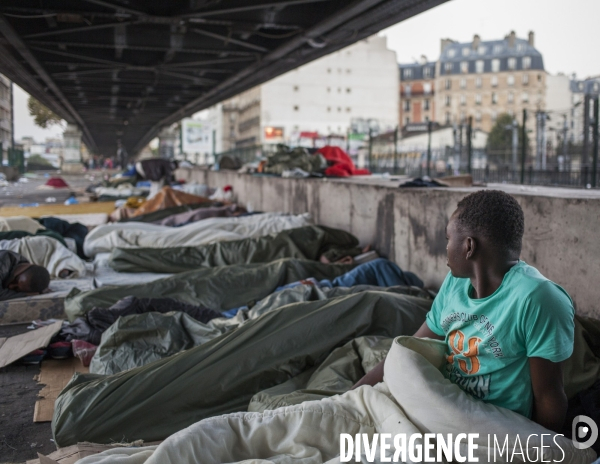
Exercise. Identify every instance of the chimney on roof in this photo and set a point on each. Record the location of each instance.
(511, 39)
(476, 41)
(423, 60)
(531, 38)
(444, 43)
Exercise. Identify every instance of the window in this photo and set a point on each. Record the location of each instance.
(296, 108)
(494, 115)
(448, 67)
(494, 81)
(525, 97)
(526, 62)
(520, 47)
(451, 53)
(348, 90)
(426, 118)
(478, 82)
(407, 73)
(494, 98)
(448, 100)
(463, 83)
(510, 80)
(479, 66)
(448, 118)
(406, 105)
(427, 88)
(525, 79)
(511, 113)
(426, 72)
(511, 97)
(348, 71)
(466, 51)
(463, 116)
(495, 65)
(464, 67)
(295, 88)
(448, 84)
(482, 50)
(463, 99)
(329, 70)
(328, 89)
(407, 121)
(512, 63)
(339, 90)
(426, 104)
(478, 99)
(348, 110)
(407, 89)
(329, 109)
(339, 109)
(478, 116)
(595, 85)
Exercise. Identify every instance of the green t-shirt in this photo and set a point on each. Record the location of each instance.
(489, 339)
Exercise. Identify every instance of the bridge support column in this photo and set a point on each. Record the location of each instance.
(167, 142)
(72, 162)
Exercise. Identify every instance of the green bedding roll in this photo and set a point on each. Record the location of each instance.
(308, 242)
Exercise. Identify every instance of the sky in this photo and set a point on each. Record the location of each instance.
(567, 33)
(24, 125)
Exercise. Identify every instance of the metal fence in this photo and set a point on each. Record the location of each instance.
(383, 155)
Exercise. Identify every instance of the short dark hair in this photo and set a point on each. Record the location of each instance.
(38, 278)
(495, 215)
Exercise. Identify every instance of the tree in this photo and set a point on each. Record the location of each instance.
(500, 137)
(42, 116)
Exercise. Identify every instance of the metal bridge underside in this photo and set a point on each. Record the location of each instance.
(124, 69)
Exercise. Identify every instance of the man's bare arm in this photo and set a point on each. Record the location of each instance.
(549, 399)
(375, 375)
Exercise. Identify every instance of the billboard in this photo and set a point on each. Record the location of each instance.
(196, 136)
(273, 133)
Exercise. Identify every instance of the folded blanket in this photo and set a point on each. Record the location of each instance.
(308, 242)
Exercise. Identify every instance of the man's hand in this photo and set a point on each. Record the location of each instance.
(549, 399)
(375, 375)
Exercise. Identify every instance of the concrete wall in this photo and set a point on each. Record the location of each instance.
(407, 225)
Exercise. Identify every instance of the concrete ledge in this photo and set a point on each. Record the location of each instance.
(408, 225)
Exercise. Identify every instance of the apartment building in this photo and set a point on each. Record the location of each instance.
(417, 92)
(5, 112)
(327, 97)
(483, 79)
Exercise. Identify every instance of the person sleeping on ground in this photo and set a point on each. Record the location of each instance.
(19, 278)
(507, 327)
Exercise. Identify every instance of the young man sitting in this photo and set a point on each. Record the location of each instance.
(506, 326)
(19, 278)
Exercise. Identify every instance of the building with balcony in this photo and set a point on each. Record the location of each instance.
(417, 92)
(483, 79)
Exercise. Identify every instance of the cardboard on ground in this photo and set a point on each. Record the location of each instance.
(16, 347)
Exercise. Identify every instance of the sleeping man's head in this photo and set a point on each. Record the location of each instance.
(29, 278)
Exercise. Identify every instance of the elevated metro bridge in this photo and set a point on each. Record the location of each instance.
(123, 69)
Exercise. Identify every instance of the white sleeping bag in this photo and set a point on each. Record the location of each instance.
(105, 238)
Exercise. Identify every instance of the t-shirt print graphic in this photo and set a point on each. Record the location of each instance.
(464, 363)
